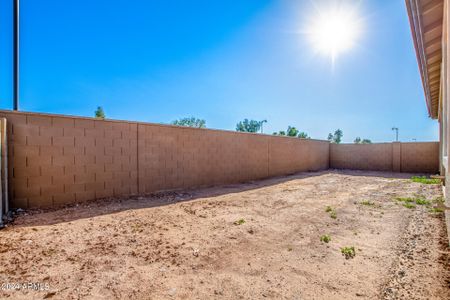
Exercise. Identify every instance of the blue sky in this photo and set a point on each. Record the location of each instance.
(221, 60)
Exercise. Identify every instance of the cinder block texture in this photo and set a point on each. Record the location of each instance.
(361, 157)
(420, 157)
(58, 160)
(291, 155)
(392, 157)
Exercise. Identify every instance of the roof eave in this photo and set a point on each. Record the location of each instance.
(417, 35)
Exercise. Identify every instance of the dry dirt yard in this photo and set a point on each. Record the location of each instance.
(250, 241)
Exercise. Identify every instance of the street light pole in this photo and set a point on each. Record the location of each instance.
(396, 133)
(262, 124)
(16, 54)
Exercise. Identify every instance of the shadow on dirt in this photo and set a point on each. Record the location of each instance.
(99, 207)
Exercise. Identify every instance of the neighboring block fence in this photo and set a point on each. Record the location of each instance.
(59, 159)
(392, 157)
(55, 159)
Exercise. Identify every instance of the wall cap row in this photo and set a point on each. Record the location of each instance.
(149, 123)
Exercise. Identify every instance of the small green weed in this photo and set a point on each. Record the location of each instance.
(136, 227)
(348, 252)
(325, 238)
(333, 214)
(425, 180)
(239, 222)
(331, 211)
(409, 205)
(436, 210)
(406, 200)
(367, 203)
(422, 202)
(439, 199)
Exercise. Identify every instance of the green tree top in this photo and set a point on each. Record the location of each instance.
(99, 113)
(292, 131)
(190, 122)
(303, 135)
(336, 137)
(281, 132)
(358, 140)
(249, 125)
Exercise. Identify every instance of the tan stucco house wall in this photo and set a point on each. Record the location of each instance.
(429, 21)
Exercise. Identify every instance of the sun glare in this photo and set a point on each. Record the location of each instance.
(334, 30)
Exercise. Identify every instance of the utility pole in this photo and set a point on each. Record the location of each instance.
(396, 133)
(16, 54)
(262, 123)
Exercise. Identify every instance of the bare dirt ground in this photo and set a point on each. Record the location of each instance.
(191, 245)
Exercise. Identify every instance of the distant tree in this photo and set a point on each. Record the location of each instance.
(303, 135)
(292, 131)
(338, 134)
(249, 125)
(190, 122)
(281, 132)
(358, 140)
(336, 137)
(99, 113)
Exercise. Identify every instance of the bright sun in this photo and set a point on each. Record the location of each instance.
(334, 30)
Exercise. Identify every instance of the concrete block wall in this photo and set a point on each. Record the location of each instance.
(391, 157)
(57, 160)
(420, 157)
(361, 157)
(288, 155)
(177, 157)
